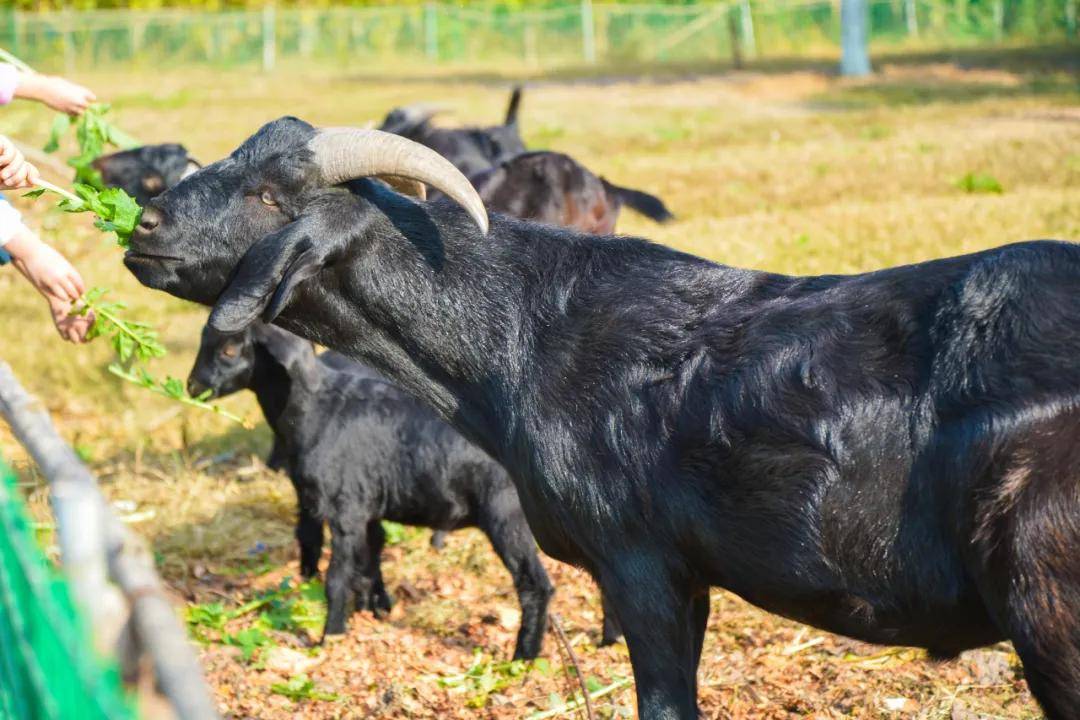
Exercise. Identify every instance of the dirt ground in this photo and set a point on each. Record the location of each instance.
(788, 170)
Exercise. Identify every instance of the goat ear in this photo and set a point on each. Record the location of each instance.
(268, 275)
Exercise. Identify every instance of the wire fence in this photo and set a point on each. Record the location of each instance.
(573, 33)
(65, 643)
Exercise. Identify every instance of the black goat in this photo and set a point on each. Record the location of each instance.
(470, 149)
(358, 450)
(894, 456)
(147, 171)
(553, 188)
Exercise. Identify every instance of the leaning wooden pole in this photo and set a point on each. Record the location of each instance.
(93, 543)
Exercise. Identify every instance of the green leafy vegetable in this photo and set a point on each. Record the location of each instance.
(301, 687)
(173, 389)
(486, 677)
(249, 640)
(129, 338)
(117, 212)
(94, 134)
(59, 129)
(980, 183)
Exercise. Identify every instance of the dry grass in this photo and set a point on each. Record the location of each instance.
(795, 172)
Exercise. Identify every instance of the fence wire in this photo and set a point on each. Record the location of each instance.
(492, 36)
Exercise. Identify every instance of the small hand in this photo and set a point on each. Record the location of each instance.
(58, 93)
(72, 328)
(15, 171)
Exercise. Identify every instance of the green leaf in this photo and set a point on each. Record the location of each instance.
(301, 688)
(59, 128)
(980, 183)
(34, 193)
(249, 640)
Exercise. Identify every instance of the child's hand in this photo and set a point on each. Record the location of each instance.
(55, 278)
(15, 172)
(56, 92)
(72, 328)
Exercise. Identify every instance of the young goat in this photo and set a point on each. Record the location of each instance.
(146, 172)
(470, 149)
(359, 450)
(553, 188)
(894, 455)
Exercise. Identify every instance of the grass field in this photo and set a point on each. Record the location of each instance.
(789, 170)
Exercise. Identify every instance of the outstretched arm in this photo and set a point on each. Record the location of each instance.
(56, 92)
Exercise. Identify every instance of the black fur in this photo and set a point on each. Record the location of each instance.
(358, 451)
(553, 188)
(471, 149)
(147, 171)
(891, 455)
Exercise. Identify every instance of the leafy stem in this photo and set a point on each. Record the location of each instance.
(130, 339)
(173, 389)
(46, 185)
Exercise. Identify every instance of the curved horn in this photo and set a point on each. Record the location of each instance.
(346, 153)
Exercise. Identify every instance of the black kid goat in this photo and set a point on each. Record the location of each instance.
(553, 188)
(147, 171)
(358, 450)
(470, 149)
(894, 456)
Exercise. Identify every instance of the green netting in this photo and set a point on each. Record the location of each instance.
(381, 38)
(48, 668)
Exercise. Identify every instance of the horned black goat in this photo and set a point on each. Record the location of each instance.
(147, 171)
(358, 451)
(470, 149)
(892, 456)
(554, 188)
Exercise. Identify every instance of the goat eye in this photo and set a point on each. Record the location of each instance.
(268, 199)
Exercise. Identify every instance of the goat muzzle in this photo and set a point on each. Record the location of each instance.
(344, 154)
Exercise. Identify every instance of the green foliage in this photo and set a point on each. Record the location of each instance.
(300, 687)
(129, 339)
(173, 389)
(249, 640)
(486, 677)
(395, 532)
(94, 134)
(559, 706)
(287, 608)
(117, 212)
(980, 183)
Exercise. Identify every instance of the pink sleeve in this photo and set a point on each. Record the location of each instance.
(9, 80)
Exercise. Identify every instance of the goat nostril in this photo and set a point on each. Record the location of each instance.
(150, 219)
(196, 389)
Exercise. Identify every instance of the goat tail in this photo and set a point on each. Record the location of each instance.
(512, 108)
(648, 205)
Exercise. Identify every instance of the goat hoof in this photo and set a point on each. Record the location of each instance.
(608, 640)
(381, 603)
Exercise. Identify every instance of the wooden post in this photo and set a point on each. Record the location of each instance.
(16, 32)
(854, 36)
(749, 43)
(911, 15)
(588, 32)
(269, 38)
(91, 536)
(69, 42)
(529, 30)
(735, 40)
(307, 35)
(431, 31)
